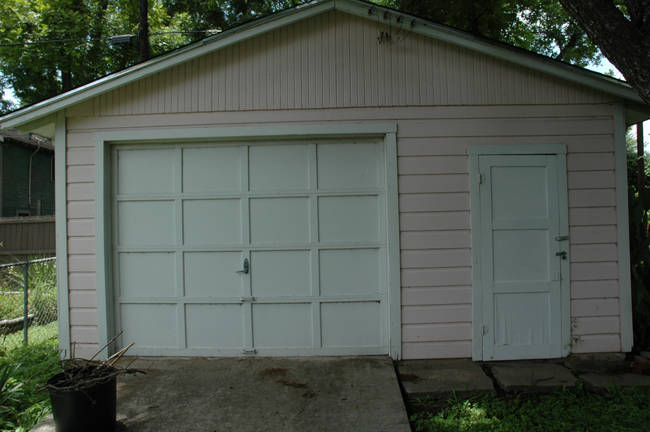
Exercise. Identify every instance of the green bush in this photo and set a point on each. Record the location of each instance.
(22, 370)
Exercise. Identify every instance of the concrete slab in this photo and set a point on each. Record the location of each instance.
(532, 377)
(440, 378)
(262, 394)
(597, 363)
(603, 381)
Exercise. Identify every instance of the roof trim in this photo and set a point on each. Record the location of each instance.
(355, 7)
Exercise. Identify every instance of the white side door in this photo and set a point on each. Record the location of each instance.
(520, 256)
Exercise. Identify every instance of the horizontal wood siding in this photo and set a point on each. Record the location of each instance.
(434, 211)
(337, 60)
(333, 68)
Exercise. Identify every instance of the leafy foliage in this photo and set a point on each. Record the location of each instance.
(541, 26)
(639, 210)
(22, 370)
(566, 410)
(38, 71)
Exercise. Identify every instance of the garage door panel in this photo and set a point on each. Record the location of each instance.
(348, 219)
(308, 216)
(279, 167)
(349, 272)
(151, 171)
(150, 325)
(212, 169)
(280, 273)
(147, 275)
(345, 166)
(212, 274)
(279, 220)
(282, 325)
(351, 324)
(216, 221)
(146, 223)
(214, 326)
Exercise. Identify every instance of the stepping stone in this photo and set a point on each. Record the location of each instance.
(532, 377)
(603, 381)
(440, 378)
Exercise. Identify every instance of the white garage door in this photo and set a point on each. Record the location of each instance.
(250, 248)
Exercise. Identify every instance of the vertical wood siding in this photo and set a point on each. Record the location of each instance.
(443, 100)
(335, 60)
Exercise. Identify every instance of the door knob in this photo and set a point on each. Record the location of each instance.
(246, 268)
(561, 254)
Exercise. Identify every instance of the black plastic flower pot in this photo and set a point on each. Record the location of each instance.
(88, 408)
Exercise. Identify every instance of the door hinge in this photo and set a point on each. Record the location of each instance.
(480, 179)
(249, 351)
(484, 330)
(247, 299)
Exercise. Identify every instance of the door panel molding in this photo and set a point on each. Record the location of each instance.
(557, 152)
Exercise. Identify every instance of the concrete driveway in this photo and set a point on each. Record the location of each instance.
(262, 394)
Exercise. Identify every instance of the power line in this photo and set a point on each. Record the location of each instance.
(117, 39)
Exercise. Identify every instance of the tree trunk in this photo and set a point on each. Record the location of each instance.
(640, 173)
(143, 32)
(625, 42)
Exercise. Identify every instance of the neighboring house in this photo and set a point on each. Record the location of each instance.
(26, 195)
(26, 175)
(343, 179)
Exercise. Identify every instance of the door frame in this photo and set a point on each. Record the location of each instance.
(328, 130)
(474, 151)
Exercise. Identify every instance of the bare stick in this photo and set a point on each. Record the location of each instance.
(107, 344)
(118, 355)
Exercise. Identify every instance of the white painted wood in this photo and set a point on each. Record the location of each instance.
(594, 253)
(433, 203)
(437, 332)
(442, 349)
(592, 198)
(592, 180)
(430, 259)
(597, 343)
(596, 326)
(436, 314)
(594, 271)
(414, 296)
(435, 239)
(81, 227)
(592, 216)
(593, 234)
(594, 307)
(594, 289)
(424, 221)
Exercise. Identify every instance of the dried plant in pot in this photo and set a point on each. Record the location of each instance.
(84, 395)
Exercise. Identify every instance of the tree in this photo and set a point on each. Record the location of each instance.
(622, 31)
(541, 26)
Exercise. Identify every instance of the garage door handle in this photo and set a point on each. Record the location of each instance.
(246, 267)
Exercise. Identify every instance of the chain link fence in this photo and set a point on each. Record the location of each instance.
(28, 303)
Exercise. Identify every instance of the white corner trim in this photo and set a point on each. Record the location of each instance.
(475, 224)
(61, 224)
(393, 248)
(622, 226)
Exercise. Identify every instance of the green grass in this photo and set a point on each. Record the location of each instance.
(22, 370)
(566, 410)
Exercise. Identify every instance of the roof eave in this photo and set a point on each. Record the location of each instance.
(355, 7)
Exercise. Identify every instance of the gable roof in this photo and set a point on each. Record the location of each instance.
(45, 109)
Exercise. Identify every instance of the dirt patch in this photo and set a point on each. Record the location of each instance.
(274, 372)
(289, 383)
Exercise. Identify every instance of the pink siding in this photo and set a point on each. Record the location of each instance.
(289, 75)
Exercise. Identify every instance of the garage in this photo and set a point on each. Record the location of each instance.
(269, 248)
